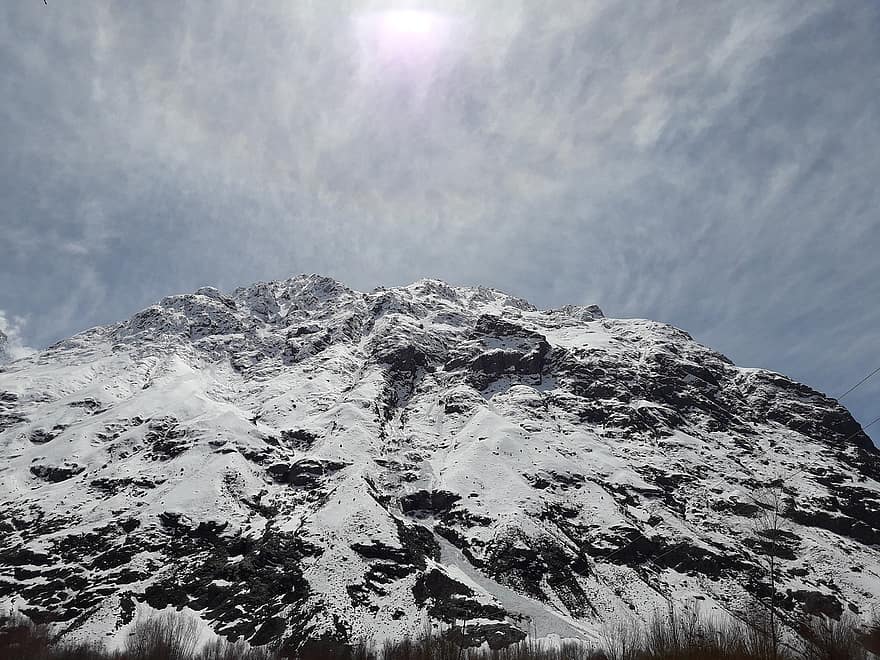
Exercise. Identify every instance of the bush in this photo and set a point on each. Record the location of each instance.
(20, 638)
(220, 649)
(870, 639)
(827, 639)
(676, 635)
(167, 636)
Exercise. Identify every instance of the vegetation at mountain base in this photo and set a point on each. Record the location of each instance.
(676, 635)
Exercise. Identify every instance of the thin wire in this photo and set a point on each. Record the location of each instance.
(640, 534)
(863, 380)
(870, 424)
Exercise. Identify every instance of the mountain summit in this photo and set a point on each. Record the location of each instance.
(297, 461)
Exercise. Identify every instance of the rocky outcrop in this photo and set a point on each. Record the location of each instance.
(56, 473)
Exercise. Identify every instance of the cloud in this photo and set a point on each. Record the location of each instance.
(710, 165)
(11, 338)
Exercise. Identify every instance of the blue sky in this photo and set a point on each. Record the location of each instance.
(712, 165)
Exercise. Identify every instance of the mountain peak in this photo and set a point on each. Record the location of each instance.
(298, 460)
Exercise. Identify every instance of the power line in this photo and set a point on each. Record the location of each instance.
(653, 558)
(640, 534)
(869, 425)
(863, 380)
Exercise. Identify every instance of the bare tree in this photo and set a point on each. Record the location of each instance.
(772, 541)
(166, 636)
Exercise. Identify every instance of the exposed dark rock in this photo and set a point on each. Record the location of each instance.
(378, 550)
(306, 330)
(498, 362)
(409, 359)
(803, 409)
(525, 564)
(816, 603)
(434, 502)
(841, 525)
(24, 557)
(496, 635)
(419, 542)
(450, 600)
(269, 631)
(632, 548)
(561, 481)
(744, 509)
(114, 558)
(239, 596)
(115, 429)
(41, 436)
(859, 503)
(521, 352)
(8, 420)
(166, 439)
(377, 576)
(110, 486)
(778, 543)
(464, 518)
(306, 473)
(299, 439)
(56, 473)
(92, 406)
(179, 525)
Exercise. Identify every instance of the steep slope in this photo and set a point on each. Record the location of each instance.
(300, 461)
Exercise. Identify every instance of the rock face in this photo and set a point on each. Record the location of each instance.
(299, 462)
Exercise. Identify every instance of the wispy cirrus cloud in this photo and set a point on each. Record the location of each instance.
(713, 166)
(12, 346)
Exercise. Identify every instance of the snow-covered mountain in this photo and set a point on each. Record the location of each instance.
(297, 460)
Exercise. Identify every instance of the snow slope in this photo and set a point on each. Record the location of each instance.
(299, 461)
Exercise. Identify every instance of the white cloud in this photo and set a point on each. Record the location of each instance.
(711, 165)
(13, 346)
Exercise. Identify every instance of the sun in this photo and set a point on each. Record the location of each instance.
(403, 30)
(403, 44)
(410, 22)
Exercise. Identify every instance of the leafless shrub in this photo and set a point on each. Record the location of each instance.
(673, 635)
(622, 639)
(685, 635)
(870, 638)
(82, 652)
(828, 639)
(166, 636)
(21, 638)
(220, 649)
(440, 646)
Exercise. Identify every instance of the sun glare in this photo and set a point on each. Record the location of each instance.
(409, 21)
(403, 34)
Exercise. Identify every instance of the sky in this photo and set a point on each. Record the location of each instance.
(710, 165)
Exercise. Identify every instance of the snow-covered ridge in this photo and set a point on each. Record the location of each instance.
(297, 460)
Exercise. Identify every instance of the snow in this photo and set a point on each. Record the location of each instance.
(234, 373)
